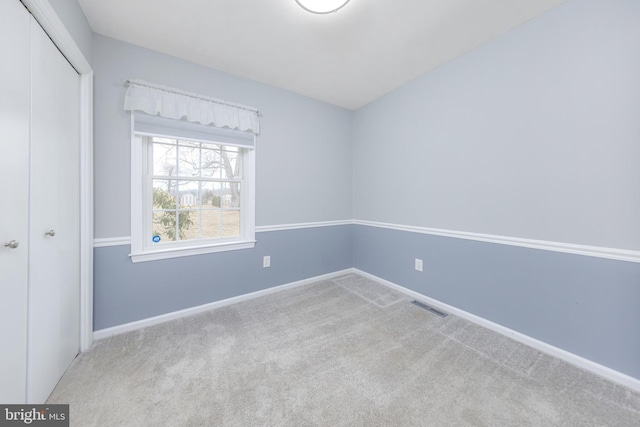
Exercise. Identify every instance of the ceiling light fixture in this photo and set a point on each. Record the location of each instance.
(322, 7)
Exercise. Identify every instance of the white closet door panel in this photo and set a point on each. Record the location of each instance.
(54, 272)
(14, 193)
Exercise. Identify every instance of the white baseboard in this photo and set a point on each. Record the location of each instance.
(128, 327)
(574, 359)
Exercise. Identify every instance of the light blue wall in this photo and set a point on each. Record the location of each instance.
(585, 305)
(72, 16)
(126, 292)
(534, 134)
(303, 151)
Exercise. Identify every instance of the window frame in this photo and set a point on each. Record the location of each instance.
(142, 200)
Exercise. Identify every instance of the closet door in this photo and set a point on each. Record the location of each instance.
(14, 196)
(54, 237)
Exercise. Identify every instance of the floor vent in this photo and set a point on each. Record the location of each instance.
(429, 308)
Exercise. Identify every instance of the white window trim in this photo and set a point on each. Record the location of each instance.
(140, 253)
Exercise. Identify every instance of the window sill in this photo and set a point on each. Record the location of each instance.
(190, 251)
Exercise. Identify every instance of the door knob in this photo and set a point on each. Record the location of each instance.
(50, 233)
(12, 244)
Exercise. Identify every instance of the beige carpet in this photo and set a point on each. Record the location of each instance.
(342, 352)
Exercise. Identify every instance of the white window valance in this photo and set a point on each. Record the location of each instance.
(145, 124)
(163, 101)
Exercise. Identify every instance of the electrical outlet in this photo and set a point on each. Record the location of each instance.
(418, 264)
(266, 261)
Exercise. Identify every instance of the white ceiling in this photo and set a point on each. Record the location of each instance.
(348, 58)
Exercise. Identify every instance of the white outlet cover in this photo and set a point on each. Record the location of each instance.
(418, 264)
(266, 261)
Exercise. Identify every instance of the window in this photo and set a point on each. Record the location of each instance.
(192, 189)
(196, 191)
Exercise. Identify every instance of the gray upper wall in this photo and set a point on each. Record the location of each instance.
(303, 170)
(535, 134)
(73, 18)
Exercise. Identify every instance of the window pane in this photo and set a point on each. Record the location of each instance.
(230, 195)
(189, 224)
(231, 223)
(211, 163)
(163, 227)
(188, 159)
(207, 193)
(230, 163)
(164, 194)
(211, 223)
(164, 159)
(188, 194)
(216, 199)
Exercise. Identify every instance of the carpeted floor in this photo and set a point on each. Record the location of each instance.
(341, 352)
